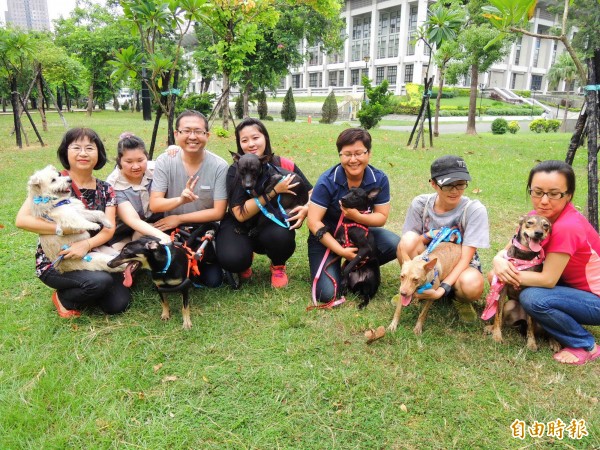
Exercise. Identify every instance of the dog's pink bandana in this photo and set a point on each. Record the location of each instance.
(493, 297)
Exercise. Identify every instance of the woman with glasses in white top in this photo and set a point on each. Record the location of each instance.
(566, 294)
(81, 152)
(448, 207)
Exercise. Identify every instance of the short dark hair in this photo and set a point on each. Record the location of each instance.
(553, 165)
(351, 135)
(250, 122)
(188, 113)
(74, 134)
(129, 141)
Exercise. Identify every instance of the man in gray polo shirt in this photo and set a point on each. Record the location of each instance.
(190, 187)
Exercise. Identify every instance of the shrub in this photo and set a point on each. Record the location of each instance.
(262, 105)
(239, 107)
(513, 127)
(404, 108)
(125, 105)
(329, 111)
(552, 125)
(446, 93)
(220, 131)
(269, 118)
(370, 115)
(499, 126)
(198, 102)
(288, 109)
(376, 107)
(538, 125)
(414, 92)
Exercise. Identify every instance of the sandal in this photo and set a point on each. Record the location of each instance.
(61, 310)
(582, 355)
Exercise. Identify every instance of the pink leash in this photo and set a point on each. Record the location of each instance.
(493, 297)
(335, 301)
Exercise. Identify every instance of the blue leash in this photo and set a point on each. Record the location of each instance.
(444, 235)
(269, 214)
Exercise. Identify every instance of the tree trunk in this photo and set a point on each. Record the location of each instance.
(438, 101)
(592, 133)
(155, 132)
(90, 102)
(577, 136)
(138, 106)
(473, 100)
(563, 126)
(67, 97)
(245, 100)
(59, 102)
(115, 102)
(14, 100)
(225, 100)
(3, 104)
(40, 108)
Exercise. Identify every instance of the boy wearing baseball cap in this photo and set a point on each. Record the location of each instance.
(448, 207)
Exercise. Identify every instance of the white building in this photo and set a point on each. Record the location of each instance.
(28, 14)
(380, 44)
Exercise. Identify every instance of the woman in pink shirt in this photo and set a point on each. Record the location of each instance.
(566, 294)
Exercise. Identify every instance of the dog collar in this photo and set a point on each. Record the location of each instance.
(42, 199)
(429, 284)
(168, 263)
(66, 201)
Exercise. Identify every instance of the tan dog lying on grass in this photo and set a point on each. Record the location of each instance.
(51, 200)
(421, 270)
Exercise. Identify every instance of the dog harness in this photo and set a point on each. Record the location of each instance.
(272, 216)
(444, 235)
(493, 297)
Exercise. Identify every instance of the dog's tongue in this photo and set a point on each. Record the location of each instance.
(127, 278)
(406, 299)
(534, 246)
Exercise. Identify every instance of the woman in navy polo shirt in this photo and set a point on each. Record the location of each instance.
(324, 210)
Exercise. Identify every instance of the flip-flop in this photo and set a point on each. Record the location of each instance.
(582, 355)
(594, 355)
(69, 313)
(373, 334)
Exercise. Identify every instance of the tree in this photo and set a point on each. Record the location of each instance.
(442, 57)
(160, 27)
(563, 69)
(329, 111)
(372, 111)
(93, 33)
(473, 59)
(288, 108)
(16, 52)
(262, 108)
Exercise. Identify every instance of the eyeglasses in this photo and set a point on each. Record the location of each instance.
(197, 132)
(76, 149)
(349, 156)
(538, 193)
(458, 186)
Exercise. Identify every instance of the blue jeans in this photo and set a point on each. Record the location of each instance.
(562, 311)
(386, 242)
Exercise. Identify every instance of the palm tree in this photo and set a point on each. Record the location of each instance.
(563, 69)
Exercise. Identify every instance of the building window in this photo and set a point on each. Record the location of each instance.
(354, 77)
(410, 44)
(536, 82)
(391, 74)
(513, 81)
(314, 79)
(408, 73)
(412, 18)
(333, 78)
(316, 56)
(518, 49)
(379, 75)
(554, 50)
(341, 78)
(389, 34)
(297, 81)
(536, 51)
(361, 35)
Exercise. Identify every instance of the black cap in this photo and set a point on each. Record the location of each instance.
(448, 169)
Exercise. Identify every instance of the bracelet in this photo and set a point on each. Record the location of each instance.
(89, 245)
(321, 232)
(447, 289)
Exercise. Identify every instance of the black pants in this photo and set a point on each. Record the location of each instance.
(81, 288)
(234, 251)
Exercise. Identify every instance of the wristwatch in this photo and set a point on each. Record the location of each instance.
(59, 230)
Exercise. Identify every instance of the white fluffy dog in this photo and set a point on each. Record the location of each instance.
(50, 194)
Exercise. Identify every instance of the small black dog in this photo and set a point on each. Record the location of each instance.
(169, 265)
(257, 176)
(361, 275)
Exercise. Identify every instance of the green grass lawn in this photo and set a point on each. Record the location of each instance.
(257, 370)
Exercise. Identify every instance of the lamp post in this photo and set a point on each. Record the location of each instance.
(481, 86)
(366, 59)
(532, 100)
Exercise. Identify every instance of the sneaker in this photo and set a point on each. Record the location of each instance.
(466, 312)
(246, 274)
(61, 310)
(279, 278)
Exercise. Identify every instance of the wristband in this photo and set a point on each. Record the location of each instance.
(321, 232)
(59, 230)
(447, 289)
